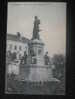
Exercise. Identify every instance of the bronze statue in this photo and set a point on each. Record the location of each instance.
(36, 28)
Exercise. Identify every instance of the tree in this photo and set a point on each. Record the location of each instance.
(59, 62)
(59, 72)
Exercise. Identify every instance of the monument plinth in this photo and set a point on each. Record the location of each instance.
(38, 48)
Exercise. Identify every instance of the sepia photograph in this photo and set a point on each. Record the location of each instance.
(36, 48)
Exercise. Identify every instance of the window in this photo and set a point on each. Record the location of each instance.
(19, 56)
(15, 47)
(20, 48)
(39, 51)
(10, 46)
(26, 48)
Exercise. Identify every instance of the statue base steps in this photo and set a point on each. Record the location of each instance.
(36, 74)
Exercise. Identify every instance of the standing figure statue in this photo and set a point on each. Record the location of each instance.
(47, 59)
(36, 28)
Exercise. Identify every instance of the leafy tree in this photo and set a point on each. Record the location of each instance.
(59, 62)
(59, 72)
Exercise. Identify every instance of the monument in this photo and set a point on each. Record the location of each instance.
(37, 46)
(36, 65)
(38, 70)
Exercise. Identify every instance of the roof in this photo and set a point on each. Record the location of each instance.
(17, 38)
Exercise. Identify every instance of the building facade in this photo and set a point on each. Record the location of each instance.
(18, 45)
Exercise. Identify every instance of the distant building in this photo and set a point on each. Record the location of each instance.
(17, 44)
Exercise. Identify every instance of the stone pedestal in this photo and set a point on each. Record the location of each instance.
(37, 46)
(38, 70)
(35, 70)
(39, 73)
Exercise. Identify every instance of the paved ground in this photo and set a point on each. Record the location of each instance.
(46, 88)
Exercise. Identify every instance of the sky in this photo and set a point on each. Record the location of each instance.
(52, 23)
